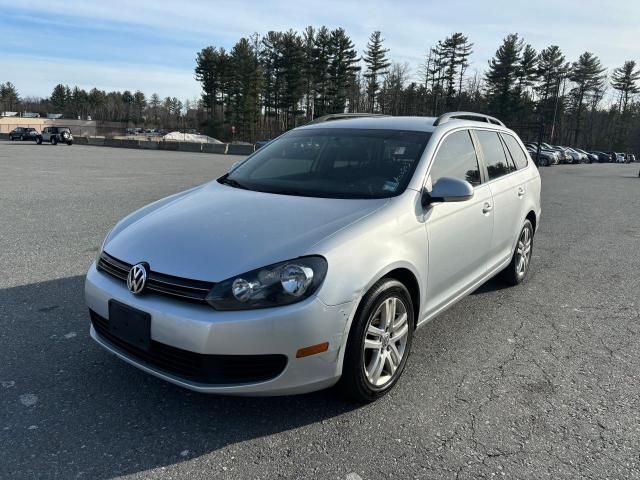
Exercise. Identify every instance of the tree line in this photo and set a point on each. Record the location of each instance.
(268, 84)
(132, 108)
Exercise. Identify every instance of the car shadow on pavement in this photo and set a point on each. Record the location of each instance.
(71, 409)
(495, 284)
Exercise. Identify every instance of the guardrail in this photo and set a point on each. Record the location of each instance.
(218, 148)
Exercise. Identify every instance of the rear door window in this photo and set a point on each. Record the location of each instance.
(494, 155)
(456, 158)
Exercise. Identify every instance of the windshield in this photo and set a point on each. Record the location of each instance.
(333, 163)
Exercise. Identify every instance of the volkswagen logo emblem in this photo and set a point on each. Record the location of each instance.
(137, 278)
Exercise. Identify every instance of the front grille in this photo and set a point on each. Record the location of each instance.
(196, 367)
(177, 287)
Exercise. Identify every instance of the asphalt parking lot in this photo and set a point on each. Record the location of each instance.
(537, 381)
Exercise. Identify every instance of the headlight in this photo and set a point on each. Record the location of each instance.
(272, 286)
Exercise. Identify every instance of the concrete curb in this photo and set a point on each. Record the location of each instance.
(216, 148)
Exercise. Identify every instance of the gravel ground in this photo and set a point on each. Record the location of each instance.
(537, 381)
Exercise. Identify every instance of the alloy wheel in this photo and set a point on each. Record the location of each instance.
(385, 342)
(523, 251)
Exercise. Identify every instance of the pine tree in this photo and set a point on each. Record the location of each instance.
(502, 75)
(309, 38)
(271, 64)
(437, 56)
(552, 69)
(58, 98)
(139, 104)
(154, 105)
(342, 69)
(320, 62)
(455, 51)
(587, 76)
(9, 98)
(213, 72)
(527, 69)
(377, 64)
(625, 80)
(291, 76)
(244, 88)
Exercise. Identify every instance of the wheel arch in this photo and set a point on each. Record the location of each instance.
(531, 216)
(408, 279)
(402, 272)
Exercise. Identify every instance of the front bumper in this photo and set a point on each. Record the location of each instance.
(203, 330)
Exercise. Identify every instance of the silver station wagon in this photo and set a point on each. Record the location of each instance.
(312, 262)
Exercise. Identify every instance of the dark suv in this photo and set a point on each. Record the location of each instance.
(23, 133)
(55, 135)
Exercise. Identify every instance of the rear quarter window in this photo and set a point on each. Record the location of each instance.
(494, 154)
(513, 147)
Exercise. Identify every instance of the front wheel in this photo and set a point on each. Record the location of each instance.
(69, 143)
(517, 270)
(379, 342)
(39, 140)
(54, 141)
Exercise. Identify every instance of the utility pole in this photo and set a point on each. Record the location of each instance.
(561, 80)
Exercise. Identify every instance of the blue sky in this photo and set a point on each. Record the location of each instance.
(151, 45)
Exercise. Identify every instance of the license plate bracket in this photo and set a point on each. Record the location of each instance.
(130, 325)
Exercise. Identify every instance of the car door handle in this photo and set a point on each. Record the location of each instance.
(487, 208)
(521, 192)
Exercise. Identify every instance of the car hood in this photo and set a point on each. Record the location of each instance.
(216, 231)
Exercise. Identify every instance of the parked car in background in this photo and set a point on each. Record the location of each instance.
(544, 159)
(55, 135)
(563, 157)
(576, 157)
(570, 156)
(553, 154)
(23, 133)
(590, 156)
(602, 157)
(617, 157)
(314, 260)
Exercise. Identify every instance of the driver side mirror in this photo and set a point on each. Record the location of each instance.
(448, 189)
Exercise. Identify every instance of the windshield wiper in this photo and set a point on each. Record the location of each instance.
(233, 183)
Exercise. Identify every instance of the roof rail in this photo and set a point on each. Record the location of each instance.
(343, 116)
(476, 117)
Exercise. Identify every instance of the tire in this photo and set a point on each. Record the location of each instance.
(515, 273)
(54, 141)
(21, 138)
(366, 372)
(39, 140)
(69, 143)
(10, 138)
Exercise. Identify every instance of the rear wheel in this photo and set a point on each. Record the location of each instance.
(39, 140)
(517, 270)
(379, 342)
(10, 138)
